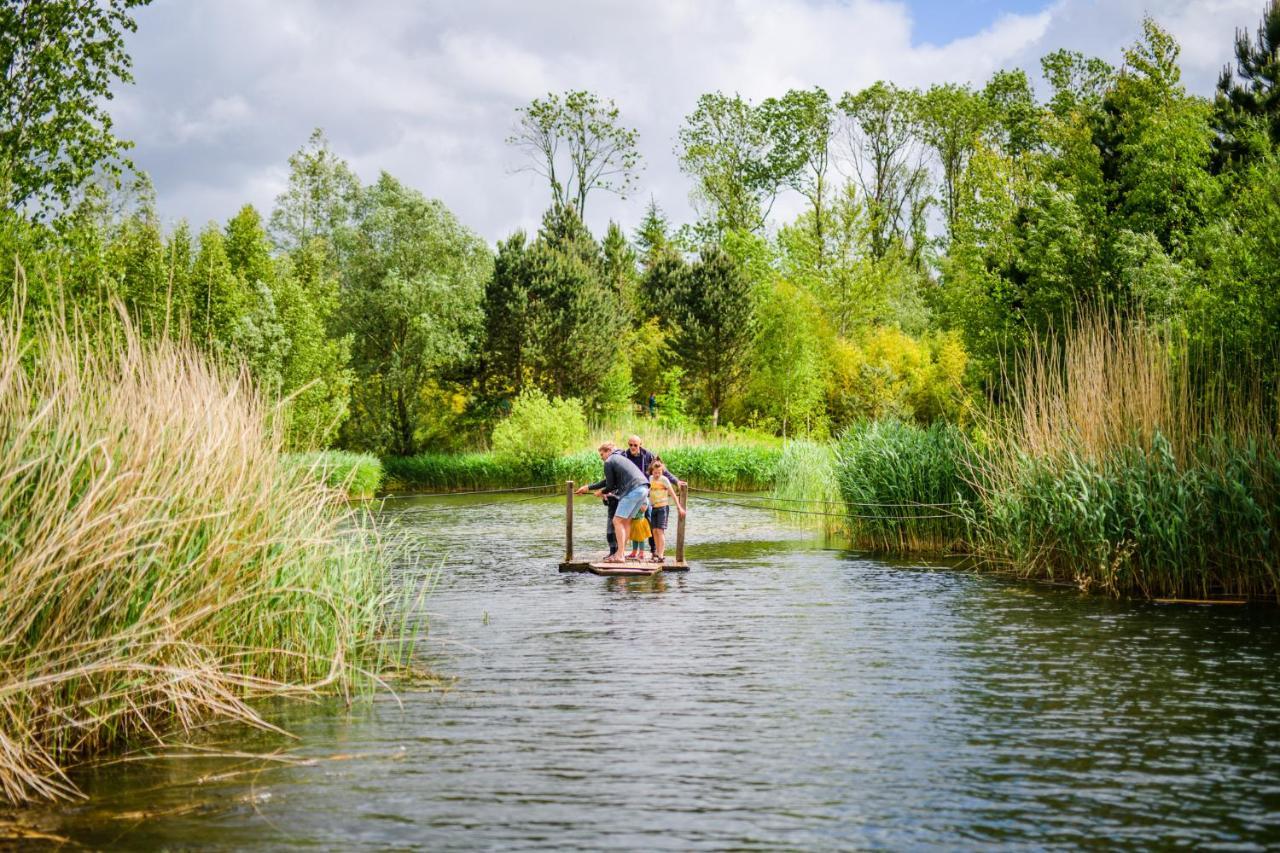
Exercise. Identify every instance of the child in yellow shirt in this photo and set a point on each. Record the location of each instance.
(661, 496)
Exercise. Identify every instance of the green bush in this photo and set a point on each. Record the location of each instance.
(539, 429)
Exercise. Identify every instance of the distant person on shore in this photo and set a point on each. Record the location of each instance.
(661, 497)
(623, 479)
(653, 403)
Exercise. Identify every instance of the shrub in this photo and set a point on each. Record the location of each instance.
(539, 429)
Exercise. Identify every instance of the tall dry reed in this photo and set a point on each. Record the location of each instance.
(1129, 463)
(160, 566)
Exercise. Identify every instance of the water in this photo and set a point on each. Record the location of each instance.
(780, 695)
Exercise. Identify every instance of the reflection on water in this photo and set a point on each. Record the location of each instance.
(779, 695)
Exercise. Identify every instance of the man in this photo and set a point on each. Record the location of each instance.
(639, 456)
(631, 489)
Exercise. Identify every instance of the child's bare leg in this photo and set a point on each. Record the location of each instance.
(659, 542)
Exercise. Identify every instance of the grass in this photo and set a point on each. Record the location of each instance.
(706, 466)
(357, 475)
(1131, 464)
(161, 565)
(906, 487)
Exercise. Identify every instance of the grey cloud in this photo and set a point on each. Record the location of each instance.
(227, 90)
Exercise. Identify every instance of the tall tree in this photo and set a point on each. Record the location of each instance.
(801, 124)
(1247, 106)
(411, 302)
(712, 308)
(579, 144)
(725, 146)
(951, 119)
(319, 200)
(888, 165)
(58, 61)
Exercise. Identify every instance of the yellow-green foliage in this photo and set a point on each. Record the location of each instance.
(540, 428)
(889, 374)
(160, 562)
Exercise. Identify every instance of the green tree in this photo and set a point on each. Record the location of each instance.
(411, 294)
(1247, 104)
(801, 124)
(578, 143)
(882, 142)
(725, 145)
(319, 200)
(789, 366)
(712, 308)
(951, 119)
(59, 60)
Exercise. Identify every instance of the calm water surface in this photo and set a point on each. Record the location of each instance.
(780, 695)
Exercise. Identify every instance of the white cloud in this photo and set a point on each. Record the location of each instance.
(227, 89)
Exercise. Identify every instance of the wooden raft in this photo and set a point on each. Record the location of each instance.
(633, 569)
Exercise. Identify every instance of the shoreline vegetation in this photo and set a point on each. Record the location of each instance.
(164, 566)
(1112, 465)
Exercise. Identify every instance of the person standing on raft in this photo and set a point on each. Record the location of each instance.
(623, 479)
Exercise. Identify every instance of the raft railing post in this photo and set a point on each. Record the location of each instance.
(684, 502)
(568, 521)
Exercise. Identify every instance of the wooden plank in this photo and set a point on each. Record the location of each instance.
(568, 521)
(583, 564)
(626, 570)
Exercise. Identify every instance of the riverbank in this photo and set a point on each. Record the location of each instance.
(709, 466)
(1111, 467)
(162, 564)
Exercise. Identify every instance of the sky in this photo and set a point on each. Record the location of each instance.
(226, 90)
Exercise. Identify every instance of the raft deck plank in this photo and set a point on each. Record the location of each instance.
(587, 564)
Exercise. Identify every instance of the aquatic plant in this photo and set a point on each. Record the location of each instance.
(358, 475)
(1131, 463)
(806, 487)
(906, 488)
(161, 564)
(706, 466)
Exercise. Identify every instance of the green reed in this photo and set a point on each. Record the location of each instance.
(906, 488)
(161, 563)
(358, 475)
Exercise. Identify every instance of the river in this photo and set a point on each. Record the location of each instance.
(783, 694)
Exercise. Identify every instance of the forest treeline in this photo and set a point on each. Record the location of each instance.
(941, 230)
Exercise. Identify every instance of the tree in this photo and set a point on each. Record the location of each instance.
(712, 308)
(800, 125)
(788, 375)
(319, 200)
(653, 235)
(59, 60)
(726, 147)
(1247, 109)
(951, 118)
(1017, 118)
(412, 287)
(880, 133)
(578, 143)
(576, 316)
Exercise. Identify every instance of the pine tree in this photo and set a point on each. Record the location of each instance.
(1247, 110)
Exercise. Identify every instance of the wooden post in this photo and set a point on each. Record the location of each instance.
(568, 521)
(684, 502)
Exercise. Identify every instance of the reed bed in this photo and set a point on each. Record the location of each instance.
(906, 488)
(1129, 463)
(161, 565)
(357, 475)
(806, 487)
(704, 466)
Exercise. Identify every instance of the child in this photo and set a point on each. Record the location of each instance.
(639, 537)
(661, 495)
